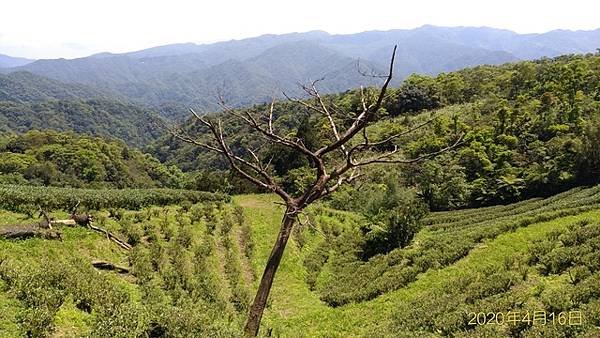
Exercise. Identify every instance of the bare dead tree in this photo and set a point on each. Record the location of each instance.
(336, 163)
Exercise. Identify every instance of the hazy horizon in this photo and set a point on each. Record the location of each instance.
(285, 33)
(71, 29)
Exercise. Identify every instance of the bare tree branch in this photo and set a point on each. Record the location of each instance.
(364, 117)
(385, 158)
(271, 136)
(341, 181)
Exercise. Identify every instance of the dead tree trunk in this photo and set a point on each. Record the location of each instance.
(28, 231)
(264, 288)
(338, 161)
(86, 221)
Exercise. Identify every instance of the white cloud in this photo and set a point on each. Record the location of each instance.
(44, 29)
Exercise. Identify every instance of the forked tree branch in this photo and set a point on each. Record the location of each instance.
(364, 117)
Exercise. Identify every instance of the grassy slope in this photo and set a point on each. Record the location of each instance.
(70, 322)
(88, 245)
(296, 311)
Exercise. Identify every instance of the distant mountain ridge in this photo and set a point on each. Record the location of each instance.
(174, 77)
(11, 61)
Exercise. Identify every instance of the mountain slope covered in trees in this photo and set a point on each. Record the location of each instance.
(29, 101)
(188, 80)
(530, 129)
(135, 125)
(26, 87)
(252, 70)
(51, 158)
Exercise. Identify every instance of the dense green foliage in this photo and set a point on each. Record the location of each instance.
(29, 101)
(109, 118)
(28, 199)
(531, 129)
(25, 87)
(393, 213)
(68, 160)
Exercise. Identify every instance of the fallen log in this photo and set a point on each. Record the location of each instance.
(104, 265)
(44, 228)
(25, 231)
(69, 222)
(86, 221)
(111, 237)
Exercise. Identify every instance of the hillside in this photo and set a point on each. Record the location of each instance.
(132, 124)
(252, 70)
(25, 87)
(531, 130)
(461, 201)
(64, 159)
(514, 263)
(506, 271)
(33, 102)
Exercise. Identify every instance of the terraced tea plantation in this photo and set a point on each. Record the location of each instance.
(528, 258)
(188, 271)
(530, 269)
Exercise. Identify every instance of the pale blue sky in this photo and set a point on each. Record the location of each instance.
(72, 28)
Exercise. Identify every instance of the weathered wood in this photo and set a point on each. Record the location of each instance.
(112, 237)
(24, 231)
(104, 265)
(86, 221)
(44, 229)
(264, 288)
(82, 219)
(69, 222)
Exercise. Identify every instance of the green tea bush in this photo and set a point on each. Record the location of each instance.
(350, 279)
(15, 197)
(133, 231)
(43, 287)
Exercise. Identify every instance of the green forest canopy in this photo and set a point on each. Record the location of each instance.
(532, 128)
(70, 160)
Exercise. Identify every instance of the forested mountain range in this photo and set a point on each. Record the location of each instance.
(247, 71)
(136, 126)
(26, 87)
